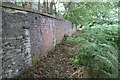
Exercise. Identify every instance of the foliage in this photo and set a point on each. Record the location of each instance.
(22, 3)
(84, 13)
(98, 52)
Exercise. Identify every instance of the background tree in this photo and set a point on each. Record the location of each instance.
(38, 5)
(85, 13)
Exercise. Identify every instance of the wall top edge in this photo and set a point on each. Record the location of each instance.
(12, 6)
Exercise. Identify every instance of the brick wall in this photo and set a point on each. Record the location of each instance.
(27, 35)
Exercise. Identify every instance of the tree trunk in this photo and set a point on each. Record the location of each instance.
(45, 6)
(51, 7)
(39, 5)
(30, 3)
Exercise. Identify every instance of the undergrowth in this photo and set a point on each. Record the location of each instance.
(98, 51)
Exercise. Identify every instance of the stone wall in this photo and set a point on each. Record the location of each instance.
(27, 35)
(0, 42)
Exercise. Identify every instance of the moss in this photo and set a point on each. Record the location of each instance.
(36, 60)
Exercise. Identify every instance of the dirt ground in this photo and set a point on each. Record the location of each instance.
(56, 64)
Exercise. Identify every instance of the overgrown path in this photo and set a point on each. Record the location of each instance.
(56, 64)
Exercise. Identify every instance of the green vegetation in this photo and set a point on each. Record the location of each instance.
(99, 41)
(98, 51)
(86, 13)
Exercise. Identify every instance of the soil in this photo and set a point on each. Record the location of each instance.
(56, 64)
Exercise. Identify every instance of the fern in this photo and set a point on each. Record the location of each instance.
(98, 52)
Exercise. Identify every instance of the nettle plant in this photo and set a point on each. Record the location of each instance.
(99, 51)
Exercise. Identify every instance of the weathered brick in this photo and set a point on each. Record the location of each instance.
(27, 35)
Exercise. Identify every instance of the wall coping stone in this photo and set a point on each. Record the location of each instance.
(12, 6)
